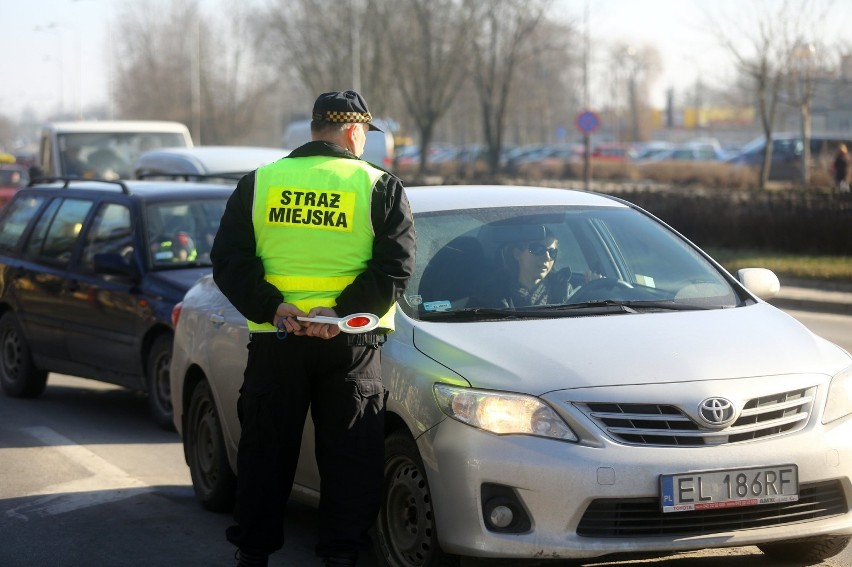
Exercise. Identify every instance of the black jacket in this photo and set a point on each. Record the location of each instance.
(238, 271)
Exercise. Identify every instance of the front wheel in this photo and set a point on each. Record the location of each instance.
(19, 376)
(212, 479)
(157, 381)
(405, 534)
(806, 551)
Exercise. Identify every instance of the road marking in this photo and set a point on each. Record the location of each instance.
(107, 483)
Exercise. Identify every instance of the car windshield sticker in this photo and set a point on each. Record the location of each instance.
(437, 305)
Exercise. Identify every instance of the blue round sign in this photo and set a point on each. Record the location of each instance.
(588, 121)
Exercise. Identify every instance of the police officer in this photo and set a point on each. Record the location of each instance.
(320, 232)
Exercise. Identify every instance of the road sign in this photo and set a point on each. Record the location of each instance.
(588, 122)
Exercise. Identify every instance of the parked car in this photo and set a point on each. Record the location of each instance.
(664, 407)
(647, 150)
(12, 178)
(613, 152)
(787, 148)
(224, 163)
(89, 274)
(684, 152)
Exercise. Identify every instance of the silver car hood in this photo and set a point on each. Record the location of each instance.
(543, 355)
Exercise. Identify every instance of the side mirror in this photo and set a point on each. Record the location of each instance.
(760, 281)
(114, 265)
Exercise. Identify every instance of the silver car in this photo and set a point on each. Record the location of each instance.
(662, 406)
(204, 162)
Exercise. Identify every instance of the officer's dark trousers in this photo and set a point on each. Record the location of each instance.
(342, 386)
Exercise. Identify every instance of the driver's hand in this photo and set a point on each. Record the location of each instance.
(590, 275)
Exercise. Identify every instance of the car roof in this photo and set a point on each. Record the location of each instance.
(207, 159)
(117, 126)
(450, 197)
(145, 190)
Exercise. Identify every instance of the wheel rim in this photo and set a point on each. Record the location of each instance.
(408, 520)
(161, 389)
(205, 444)
(11, 356)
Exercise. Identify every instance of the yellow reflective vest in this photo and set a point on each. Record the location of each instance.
(313, 228)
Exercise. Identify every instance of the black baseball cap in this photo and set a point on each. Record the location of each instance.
(343, 107)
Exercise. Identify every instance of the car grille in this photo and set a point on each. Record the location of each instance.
(642, 516)
(668, 425)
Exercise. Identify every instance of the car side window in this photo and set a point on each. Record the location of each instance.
(57, 232)
(19, 214)
(111, 233)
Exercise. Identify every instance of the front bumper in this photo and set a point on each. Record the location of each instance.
(556, 482)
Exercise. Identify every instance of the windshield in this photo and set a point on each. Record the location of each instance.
(181, 233)
(110, 155)
(540, 261)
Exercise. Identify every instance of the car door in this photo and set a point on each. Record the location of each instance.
(105, 311)
(39, 281)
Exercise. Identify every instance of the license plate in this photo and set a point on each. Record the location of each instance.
(707, 490)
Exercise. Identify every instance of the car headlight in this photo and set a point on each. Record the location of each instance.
(839, 402)
(502, 413)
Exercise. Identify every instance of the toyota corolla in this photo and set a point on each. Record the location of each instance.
(643, 400)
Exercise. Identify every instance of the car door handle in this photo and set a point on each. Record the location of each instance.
(217, 319)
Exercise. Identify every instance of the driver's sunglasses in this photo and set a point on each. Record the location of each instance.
(538, 249)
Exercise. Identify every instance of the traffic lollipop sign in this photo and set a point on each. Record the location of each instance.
(354, 324)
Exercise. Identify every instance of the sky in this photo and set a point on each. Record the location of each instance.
(49, 47)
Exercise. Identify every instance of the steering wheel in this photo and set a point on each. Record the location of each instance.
(603, 288)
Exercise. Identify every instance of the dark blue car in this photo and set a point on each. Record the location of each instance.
(89, 274)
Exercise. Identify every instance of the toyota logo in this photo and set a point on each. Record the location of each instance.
(717, 412)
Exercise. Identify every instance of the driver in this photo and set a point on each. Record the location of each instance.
(531, 279)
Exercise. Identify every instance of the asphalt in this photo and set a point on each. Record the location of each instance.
(814, 295)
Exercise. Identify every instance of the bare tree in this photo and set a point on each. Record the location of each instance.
(431, 45)
(502, 42)
(807, 58)
(172, 64)
(637, 67)
(545, 107)
(329, 45)
(765, 57)
(153, 50)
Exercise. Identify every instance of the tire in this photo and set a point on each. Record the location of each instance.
(157, 381)
(19, 376)
(405, 534)
(806, 551)
(212, 479)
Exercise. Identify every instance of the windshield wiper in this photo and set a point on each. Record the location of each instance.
(472, 314)
(586, 308)
(183, 265)
(534, 312)
(631, 306)
(623, 306)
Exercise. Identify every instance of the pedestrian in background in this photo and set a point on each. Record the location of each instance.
(841, 169)
(319, 232)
